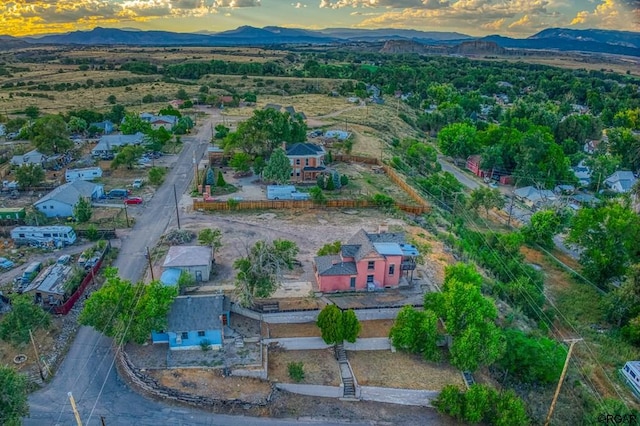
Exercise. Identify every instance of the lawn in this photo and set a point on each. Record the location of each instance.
(401, 370)
(320, 366)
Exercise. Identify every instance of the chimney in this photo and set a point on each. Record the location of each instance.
(383, 228)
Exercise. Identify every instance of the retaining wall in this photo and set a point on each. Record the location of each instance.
(313, 390)
(398, 396)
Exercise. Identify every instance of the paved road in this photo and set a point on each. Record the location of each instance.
(88, 370)
(462, 177)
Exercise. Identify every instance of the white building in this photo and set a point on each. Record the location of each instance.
(61, 201)
(89, 173)
(196, 260)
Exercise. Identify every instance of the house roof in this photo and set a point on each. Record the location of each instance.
(195, 313)
(171, 119)
(534, 194)
(180, 256)
(33, 156)
(333, 265)
(51, 280)
(302, 149)
(107, 142)
(273, 106)
(624, 178)
(70, 193)
(366, 243)
(388, 249)
(349, 250)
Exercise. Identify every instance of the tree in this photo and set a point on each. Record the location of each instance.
(24, 316)
(128, 312)
(278, 168)
(221, 182)
(29, 175)
(156, 175)
(317, 195)
(50, 135)
(210, 177)
(128, 156)
(487, 198)
(258, 165)
(422, 157)
(212, 238)
(182, 94)
(240, 162)
(458, 140)
(32, 112)
(77, 125)
(111, 99)
(330, 248)
(532, 359)
(157, 139)
(337, 326)
(221, 131)
(623, 303)
(543, 226)
(416, 331)
(82, 210)
(13, 396)
(185, 280)
(133, 124)
(116, 114)
(608, 236)
(260, 271)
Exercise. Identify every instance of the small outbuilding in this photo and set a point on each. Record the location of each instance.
(196, 260)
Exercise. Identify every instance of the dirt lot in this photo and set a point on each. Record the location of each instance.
(320, 366)
(211, 383)
(401, 370)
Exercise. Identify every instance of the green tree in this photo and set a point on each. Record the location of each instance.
(133, 124)
(532, 359)
(608, 236)
(458, 141)
(260, 271)
(32, 112)
(258, 165)
(128, 156)
(185, 280)
(623, 303)
(156, 175)
(77, 125)
(337, 326)
(111, 99)
(29, 175)
(330, 248)
(221, 131)
(416, 332)
(13, 396)
(317, 195)
(544, 225)
(422, 157)
(50, 135)
(221, 182)
(241, 162)
(602, 166)
(350, 326)
(485, 197)
(461, 272)
(24, 316)
(212, 238)
(128, 312)
(182, 94)
(157, 139)
(210, 177)
(116, 114)
(82, 210)
(278, 168)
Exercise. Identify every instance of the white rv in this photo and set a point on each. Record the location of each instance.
(56, 235)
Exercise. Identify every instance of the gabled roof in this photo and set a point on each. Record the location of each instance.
(31, 157)
(384, 244)
(70, 193)
(195, 313)
(333, 265)
(273, 106)
(180, 256)
(624, 178)
(302, 149)
(534, 194)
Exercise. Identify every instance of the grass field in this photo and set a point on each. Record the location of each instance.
(320, 366)
(401, 370)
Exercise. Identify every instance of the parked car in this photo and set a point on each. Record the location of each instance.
(6, 263)
(118, 193)
(138, 183)
(133, 200)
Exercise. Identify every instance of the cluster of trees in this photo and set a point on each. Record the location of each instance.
(24, 316)
(259, 272)
(337, 325)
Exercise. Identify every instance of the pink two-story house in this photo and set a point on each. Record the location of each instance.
(367, 262)
(307, 161)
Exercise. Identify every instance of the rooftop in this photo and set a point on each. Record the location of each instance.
(70, 193)
(333, 265)
(196, 313)
(187, 256)
(51, 280)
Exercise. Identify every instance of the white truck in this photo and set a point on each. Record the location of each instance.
(285, 192)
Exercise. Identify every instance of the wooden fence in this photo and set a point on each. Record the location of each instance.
(199, 204)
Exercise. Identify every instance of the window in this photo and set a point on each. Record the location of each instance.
(306, 161)
(632, 374)
(392, 269)
(371, 265)
(184, 335)
(369, 279)
(47, 235)
(200, 333)
(297, 161)
(44, 207)
(352, 283)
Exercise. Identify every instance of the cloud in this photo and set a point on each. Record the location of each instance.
(522, 22)
(613, 14)
(236, 3)
(390, 4)
(494, 25)
(298, 5)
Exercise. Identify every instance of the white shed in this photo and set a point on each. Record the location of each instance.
(89, 173)
(195, 260)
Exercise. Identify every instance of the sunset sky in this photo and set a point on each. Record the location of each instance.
(516, 18)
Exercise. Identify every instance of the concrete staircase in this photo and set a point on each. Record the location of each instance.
(348, 381)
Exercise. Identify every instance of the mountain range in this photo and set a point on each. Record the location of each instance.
(591, 40)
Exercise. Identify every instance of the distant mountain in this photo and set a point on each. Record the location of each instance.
(8, 42)
(604, 41)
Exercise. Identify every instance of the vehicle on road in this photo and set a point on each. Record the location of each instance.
(31, 272)
(138, 183)
(6, 263)
(133, 200)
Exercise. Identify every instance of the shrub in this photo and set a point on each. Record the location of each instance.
(92, 233)
(296, 371)
(205, 345)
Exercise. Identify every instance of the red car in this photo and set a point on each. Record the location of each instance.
(133, 200)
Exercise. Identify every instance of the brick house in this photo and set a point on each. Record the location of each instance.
(307, 161)
(367, 262)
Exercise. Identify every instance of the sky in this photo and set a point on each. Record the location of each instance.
(515, 18)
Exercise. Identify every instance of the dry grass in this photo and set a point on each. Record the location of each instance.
(306, 329)
(401, 370)
(210, 383)
(320, 366)
(375, 328)
(618, 64)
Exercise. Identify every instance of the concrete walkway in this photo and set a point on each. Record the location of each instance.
(311, 343)
(398, 396)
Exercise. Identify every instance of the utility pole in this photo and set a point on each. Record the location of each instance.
(150, 265)
(126, 215)
(175, 197)
(572, 342)
(102, 421)
(35, 350)
(75, 409)
(510, 211)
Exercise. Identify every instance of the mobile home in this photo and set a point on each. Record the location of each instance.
(285, 192)
(57, 235)
(89, 173)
